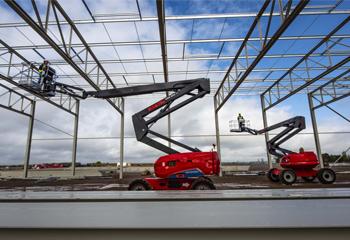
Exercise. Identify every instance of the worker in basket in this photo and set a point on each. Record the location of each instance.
(42, 70)
(241, 121)
(46, 76)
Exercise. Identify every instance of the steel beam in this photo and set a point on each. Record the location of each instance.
(315, 130)
(267, 137)
(60, 106)
(239, 70)
(15, 101)
(29, 140)
(174, 42)
(121, 147)
(66, 103)
(65, 52)
(191, 58)
(217, 134)
(238, 79)
(308, 83)
(332, 91)
(285, 77)
(114, 18)
(75, 137)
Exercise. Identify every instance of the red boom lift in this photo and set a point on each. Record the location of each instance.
(293, 164)
(175, 171)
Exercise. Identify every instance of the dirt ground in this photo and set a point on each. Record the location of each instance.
(112, 183)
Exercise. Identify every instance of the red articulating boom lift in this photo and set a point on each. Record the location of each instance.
(175, 171)
(293, 164)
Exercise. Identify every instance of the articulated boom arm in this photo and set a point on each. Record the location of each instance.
(292, 127)
(193, 89)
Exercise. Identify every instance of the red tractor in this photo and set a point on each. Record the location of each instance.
(293, 165)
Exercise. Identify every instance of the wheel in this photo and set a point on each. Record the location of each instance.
(309, 179)
(139, 185)
(288, 176)
(206, 178)
(271, 176)
(326, 175)
(202, 184)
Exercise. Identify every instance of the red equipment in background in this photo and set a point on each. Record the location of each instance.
(301, 165)
(292, 164)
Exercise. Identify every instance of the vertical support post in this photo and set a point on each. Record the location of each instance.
(169, 130)
(263, 111)
(121, 151)
(10, 62)
(75, 136)
(314, 126)
(217, 133)
(29, 139)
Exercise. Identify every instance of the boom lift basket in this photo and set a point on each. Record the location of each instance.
(234, 125)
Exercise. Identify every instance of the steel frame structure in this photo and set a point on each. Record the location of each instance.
(62, 33)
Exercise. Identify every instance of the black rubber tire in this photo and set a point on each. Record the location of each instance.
(139, 185)
(288, 176)
(202, 184)
(206, 178)
(326, 176)
(273, 177)
(309, 179)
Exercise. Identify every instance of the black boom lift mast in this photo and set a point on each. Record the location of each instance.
(192, 89)
(292, 127)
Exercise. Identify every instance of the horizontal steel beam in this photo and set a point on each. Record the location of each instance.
(257, 70)
(308, 83)
(116, 18)
(194, 58)
(331, 91)
(9, 80)
(15, 101)
(169, 42)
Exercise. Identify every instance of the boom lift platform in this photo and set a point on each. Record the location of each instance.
(47, 84)
(293, 164)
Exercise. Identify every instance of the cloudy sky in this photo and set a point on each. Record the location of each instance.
(99, 123)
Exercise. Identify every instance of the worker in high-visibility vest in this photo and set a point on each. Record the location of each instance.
(241, 122)
(42, 70)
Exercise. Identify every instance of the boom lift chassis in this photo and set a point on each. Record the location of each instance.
(293, 164)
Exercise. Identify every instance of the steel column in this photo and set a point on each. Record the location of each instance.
(121, 150)
(217, 134)
(314, 126)
(264, 116)
(75, 136)
(29, 140)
